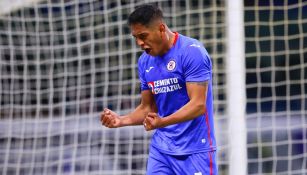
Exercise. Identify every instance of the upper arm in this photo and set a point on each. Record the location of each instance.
(197, 92)
(197, 73)
(196, 64)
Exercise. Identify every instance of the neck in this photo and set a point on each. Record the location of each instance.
(171, 38)
(167, 40)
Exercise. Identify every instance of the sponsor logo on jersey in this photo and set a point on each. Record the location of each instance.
(171, 65)
(195, 45)
(148, 70)
(164, 85)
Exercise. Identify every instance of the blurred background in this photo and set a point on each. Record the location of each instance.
(63, 61)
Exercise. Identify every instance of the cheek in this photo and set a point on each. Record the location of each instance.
(157, 42)
(155, 39)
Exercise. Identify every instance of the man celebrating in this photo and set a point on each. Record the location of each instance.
(175, 72)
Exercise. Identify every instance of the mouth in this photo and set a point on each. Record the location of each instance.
(147, 50)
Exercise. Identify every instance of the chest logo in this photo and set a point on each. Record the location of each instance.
(164, 85)
(171, 65)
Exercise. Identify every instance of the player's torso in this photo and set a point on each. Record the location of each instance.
(163, 75)
(165, 78)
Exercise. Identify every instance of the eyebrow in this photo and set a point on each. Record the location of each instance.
(139, 34)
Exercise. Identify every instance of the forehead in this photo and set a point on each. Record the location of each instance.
(137, 29)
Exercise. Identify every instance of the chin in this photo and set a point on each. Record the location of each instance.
(151, 53)
(154, 55)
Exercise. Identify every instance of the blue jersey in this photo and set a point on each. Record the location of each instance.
(166, 77)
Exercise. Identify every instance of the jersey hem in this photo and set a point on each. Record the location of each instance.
(185, 152)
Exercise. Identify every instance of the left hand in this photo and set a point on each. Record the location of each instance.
(152, 121)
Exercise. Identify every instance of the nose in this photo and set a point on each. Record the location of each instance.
(139, 42)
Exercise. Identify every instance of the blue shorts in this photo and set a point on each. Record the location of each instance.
(203, 163)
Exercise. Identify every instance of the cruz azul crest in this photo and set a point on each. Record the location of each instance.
(171, 65)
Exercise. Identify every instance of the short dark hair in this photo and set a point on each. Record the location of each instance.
(145, 14)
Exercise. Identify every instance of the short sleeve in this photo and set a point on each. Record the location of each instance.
(196, 64)
(143, 81)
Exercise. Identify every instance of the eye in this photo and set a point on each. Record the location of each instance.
(142, 36)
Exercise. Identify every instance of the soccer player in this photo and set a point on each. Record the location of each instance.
(175, 72)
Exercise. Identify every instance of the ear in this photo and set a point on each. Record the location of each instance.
(162, 27)
(162, 30)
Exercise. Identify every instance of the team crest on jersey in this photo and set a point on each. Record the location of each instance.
(171, 65)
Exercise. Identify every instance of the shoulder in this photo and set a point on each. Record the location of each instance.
(143, 58)
(194, 48)
(194, 53)
(185, 40)
(191, 46)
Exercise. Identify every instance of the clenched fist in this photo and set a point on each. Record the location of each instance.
(152, 121)
(110, 119)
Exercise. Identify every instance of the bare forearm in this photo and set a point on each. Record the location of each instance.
(187, 112)
(136, 117)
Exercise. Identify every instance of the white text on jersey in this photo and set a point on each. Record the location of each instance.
(164, 85)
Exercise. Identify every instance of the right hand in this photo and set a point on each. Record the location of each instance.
(110, 119)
